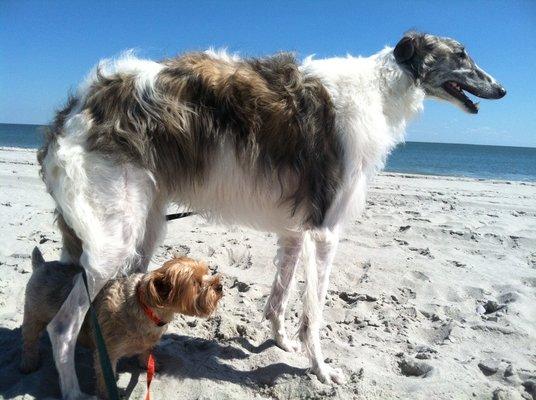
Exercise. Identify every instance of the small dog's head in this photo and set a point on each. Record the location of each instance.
(184, 286)
(444, 70)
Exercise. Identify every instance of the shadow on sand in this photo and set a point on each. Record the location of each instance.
(176, 355)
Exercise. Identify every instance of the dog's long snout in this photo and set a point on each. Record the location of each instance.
(483, 85)
(501, 92)
(486, 90)
(496, 92)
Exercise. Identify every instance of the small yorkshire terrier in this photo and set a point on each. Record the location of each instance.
(133, 311)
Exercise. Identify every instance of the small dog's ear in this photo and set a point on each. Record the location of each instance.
(163, 287)
(37, 258)
(157, 288)
(404, 50)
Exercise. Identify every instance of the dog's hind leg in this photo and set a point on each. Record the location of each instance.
(63, 332)
(286, 261)
(326, 247)
(154, 231)
(107, 206)
(102, 259)
(309, 331)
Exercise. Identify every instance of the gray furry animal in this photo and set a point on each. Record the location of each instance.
(133, 311)
(280, 145)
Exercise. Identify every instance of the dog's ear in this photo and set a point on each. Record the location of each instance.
(172, 284)
(410, 53)
(158, 288)
(37, 258)
(162, 286)
(404, 50)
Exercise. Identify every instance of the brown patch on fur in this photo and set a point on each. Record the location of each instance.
(121, 126)
(277, 119)
(280, 122)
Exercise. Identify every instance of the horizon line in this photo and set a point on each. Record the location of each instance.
(402, 143)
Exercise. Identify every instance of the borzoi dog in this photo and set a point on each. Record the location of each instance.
(271, 143)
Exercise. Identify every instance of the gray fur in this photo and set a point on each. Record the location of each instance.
(278, 120)
(433, 61)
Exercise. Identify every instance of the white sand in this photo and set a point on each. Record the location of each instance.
(407, 284)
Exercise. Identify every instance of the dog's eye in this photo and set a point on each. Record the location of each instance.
(462, 54)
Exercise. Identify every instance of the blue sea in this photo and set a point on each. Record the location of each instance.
(474, 161)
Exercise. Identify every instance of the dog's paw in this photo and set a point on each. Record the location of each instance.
(292, 346)
(327, 374)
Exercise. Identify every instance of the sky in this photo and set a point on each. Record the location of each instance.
(47, 47)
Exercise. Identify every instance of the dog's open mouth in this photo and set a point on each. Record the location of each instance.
(456, 90)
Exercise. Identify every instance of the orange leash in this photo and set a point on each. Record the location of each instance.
(150, 374)
(158, 322)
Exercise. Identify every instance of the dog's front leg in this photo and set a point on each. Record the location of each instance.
(309, 331)
(101, 384)
(286, 262)
(326, 247)
(31, 331)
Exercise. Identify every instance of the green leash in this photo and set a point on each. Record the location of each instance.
(104, 360)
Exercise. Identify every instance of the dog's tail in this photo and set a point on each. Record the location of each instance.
(37, 258)
(53, 131)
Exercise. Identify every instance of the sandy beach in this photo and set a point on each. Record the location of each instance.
(432, 296)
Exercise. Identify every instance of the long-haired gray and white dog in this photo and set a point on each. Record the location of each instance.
(271, 143)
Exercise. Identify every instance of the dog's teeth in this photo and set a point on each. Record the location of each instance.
(477, 105)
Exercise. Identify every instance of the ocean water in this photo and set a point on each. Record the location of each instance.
(468, 160)
(18, 135)
(474, 161)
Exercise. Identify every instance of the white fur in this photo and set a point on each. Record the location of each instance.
(286, 262)
(222, 54)
(374, 100)
(118, 212)
(231, 195)
(127, 63)
(313, 299)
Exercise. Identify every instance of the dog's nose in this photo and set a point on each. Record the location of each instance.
(502, 92)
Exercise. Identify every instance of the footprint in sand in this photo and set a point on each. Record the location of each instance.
(410, 367)
(423, 252)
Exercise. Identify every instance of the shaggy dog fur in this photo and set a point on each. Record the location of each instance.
(272, 143)
(181, 285)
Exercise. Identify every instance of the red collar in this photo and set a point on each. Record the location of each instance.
(148, 310)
